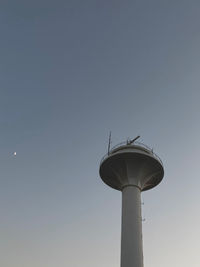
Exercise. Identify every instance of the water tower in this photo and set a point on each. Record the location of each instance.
(131, 167)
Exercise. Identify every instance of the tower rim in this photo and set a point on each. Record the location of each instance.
(125, 145)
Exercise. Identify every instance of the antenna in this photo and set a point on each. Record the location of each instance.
(109, 143)
(132, 141)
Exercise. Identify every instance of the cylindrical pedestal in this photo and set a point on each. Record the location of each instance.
(131, 236)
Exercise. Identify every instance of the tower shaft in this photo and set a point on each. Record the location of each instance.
(131, 232)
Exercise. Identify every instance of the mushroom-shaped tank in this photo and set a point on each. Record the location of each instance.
(131, 164)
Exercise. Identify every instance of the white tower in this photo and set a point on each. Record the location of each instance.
(131, 168)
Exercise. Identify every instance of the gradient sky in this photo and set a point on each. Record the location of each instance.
(71, 71)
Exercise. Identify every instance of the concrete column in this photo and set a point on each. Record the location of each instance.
(131, 235)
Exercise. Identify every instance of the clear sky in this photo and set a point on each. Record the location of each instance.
(71, 71)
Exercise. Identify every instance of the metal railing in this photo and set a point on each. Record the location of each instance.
(126, 143)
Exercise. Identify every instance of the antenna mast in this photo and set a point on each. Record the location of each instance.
(109, 143)
(132, 141)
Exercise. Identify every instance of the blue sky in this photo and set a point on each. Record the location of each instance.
(71, 71)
